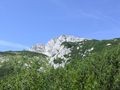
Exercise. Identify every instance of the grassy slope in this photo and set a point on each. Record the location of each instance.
(99, 70)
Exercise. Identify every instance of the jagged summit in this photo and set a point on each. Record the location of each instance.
(54, 48)
(68, 64)
(54, 45)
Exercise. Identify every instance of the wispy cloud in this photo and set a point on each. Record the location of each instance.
(80, 13)
(100, 16)
(89, 15)
(104, 16)
(107, 32)
(74, 13)
(59, 3)
(12, 45)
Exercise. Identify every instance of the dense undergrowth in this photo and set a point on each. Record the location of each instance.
(31, 71)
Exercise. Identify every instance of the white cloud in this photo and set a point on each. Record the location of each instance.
(12, 44)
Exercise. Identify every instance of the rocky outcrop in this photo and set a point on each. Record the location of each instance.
(54, 48)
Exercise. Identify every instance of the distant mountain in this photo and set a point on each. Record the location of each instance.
(65, 46)
(54, 48)
(64, 63)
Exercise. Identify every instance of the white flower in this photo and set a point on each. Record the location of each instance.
(109, 44)
(41, 69)
(89, 50)
(78, 48)
(27, 65)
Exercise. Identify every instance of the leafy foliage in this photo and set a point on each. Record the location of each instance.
(99, 70)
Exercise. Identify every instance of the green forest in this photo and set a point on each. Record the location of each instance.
(99, 70)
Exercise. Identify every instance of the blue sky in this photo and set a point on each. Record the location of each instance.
(27, 22)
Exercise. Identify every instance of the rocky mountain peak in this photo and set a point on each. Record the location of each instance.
(54, 45)
(54, 48)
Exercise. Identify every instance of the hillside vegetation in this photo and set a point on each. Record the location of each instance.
(91, 65)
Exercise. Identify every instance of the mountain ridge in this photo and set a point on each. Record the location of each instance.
(54, 48)
(83, 65)
(59, 48)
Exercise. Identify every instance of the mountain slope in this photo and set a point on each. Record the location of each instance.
(65, 63)
(62, 49)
